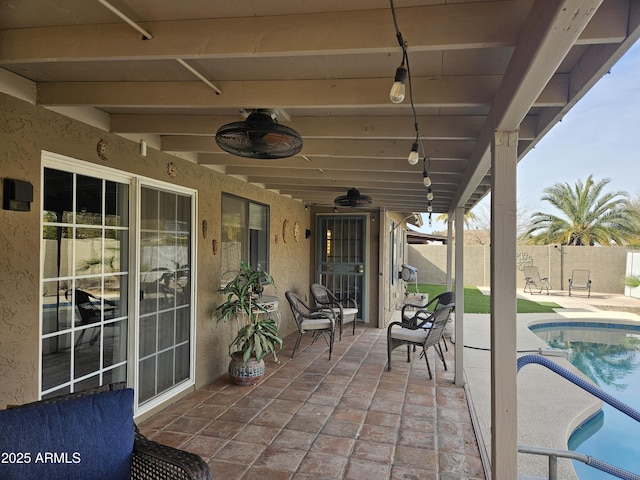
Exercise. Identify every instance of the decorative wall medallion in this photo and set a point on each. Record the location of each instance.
(296, 231)
(285, 235)
(172, 170)
(101, 148)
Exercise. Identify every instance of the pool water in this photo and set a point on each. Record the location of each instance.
(610, 356)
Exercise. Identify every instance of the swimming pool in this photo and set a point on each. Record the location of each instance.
(609, 354)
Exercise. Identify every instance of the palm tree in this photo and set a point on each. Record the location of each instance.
(467, 219)
(590, 216)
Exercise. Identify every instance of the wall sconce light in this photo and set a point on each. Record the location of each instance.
(17, 195)
(143, 148)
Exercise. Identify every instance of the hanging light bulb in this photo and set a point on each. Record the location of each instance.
(429, 219)
(396, 95)
(425, 175)
(429, 207)
(426, 179)
(429, 194)
(413, 155)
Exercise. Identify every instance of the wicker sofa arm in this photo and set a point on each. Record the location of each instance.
(154, 461)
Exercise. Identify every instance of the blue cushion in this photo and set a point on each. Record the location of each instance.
(83, 438)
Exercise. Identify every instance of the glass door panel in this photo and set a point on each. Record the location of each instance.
(166, 314)
(84, 302)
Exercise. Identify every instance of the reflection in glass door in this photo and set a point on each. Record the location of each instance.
(85, 278)
(341, 256)
(166, 310)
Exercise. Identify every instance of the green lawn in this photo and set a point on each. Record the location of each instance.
(476, 302)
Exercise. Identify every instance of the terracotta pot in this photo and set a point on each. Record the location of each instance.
(249, 374)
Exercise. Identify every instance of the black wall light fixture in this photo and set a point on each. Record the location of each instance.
(17, 195)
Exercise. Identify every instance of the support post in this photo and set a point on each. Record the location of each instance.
(449, 255)
(504, 416)
(459, 312)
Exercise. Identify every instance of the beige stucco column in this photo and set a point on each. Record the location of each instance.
(504, 418)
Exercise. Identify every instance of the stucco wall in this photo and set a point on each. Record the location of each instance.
(27, 130)
(607, 264)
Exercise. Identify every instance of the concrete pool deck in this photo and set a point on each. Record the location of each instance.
(550, 408)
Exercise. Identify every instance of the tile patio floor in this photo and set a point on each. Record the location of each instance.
(348, 418)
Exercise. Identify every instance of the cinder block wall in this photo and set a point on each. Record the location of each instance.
(607, 264)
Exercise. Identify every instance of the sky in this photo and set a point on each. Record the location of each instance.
(600, 135)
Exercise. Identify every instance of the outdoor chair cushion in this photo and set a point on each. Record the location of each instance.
(89, 437)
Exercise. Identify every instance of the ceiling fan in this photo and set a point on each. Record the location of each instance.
(260, 137)
(353, 198)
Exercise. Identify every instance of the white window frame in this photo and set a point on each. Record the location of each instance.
(64, 163)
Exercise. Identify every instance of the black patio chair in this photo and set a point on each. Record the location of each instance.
(317, 320)
(414, 333)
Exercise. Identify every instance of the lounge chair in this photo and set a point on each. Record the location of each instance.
(580, 280)
(532, 279)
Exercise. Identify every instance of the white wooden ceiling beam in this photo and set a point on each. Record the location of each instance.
(361, 148)
(431, 127)
(332, 163)
(435, 27)
(428, 28)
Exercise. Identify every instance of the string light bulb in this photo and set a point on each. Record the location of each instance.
(397, 93)
(413, 155)
(426, 179)
(429, 219)
(429, 194)
(429, 207)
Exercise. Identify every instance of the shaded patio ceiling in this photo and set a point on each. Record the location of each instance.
(327, 66)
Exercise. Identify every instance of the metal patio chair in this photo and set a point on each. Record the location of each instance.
(414, 334)
(321, 322)
(418, 313)
(532, 279)
(580, 280)
(346, 310)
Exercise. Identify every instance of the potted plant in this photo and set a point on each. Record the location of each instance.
(259, 334)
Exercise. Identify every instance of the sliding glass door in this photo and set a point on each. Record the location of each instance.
(117, 281)
(166, 306)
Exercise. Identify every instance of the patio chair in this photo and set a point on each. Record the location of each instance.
(409, 310)
(346, 310)
(580, 280)
(321, 322)
(532, 279)
(91, 309)
(414, 333)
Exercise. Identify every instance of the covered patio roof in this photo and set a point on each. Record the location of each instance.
(177, 71)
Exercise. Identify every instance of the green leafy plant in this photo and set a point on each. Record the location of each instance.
(632, 281)
(257, 337)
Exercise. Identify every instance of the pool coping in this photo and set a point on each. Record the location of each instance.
(564, 410)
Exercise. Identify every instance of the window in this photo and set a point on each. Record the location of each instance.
(245, 235)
